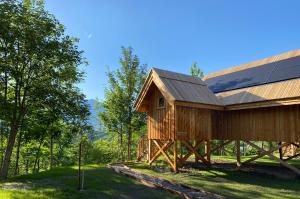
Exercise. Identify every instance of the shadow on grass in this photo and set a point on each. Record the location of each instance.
(100, 182)
(232, 183)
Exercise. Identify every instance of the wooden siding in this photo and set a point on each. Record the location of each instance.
(265, 124)
(160, 120)
(193, 123)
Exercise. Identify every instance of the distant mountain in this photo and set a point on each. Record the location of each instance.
(94, 121)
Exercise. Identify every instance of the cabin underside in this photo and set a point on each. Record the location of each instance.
(177, 131)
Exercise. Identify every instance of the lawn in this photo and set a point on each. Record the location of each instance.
(100, 182)
(231, 183)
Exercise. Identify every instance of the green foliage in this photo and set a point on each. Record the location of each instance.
(196, 71)
(119, 119)
(104, 151)
(40, 104)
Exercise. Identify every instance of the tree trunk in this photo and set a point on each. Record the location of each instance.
(18, 154)
(1, 150)
(129, 145)
(37, 155)
(27, 166)
(38, 165)
(79, 165)
(9, 149)
(51, 151)
(120, 150)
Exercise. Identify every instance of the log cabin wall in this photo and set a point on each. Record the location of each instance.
(160, 119)
(193, 123)
(281, 123)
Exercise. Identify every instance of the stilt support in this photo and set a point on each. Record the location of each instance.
(269, 153)
(238, 153)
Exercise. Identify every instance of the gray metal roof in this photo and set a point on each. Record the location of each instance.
(187, 88)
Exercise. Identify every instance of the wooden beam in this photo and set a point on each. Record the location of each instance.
(261, 104)
(194, 150)
(149, 151)
(197, 105)
(207, 150)
(283, 163)
(280, 151)
(262, 153)
(291, 157)
(296, 145)
(220, 146)
(162, 150)
(159, 151)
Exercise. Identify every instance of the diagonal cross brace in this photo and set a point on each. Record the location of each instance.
(283, 163)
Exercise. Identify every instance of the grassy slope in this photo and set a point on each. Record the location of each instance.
(100, 182)
(233, 184)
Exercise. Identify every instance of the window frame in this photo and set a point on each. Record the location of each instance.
(159, 103)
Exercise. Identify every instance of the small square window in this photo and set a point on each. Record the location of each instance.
(161, 102)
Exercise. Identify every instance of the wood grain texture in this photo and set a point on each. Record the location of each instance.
(175, 87)
(160, 120)
(193, 123)
(264, 124)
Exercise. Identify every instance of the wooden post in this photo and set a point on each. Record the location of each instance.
(238, 153)
(280, 151)
(175, 156)
(181, 152)
(149, 151)
(207, 150)
(196, 159)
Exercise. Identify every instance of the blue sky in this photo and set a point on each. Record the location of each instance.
(174, 34)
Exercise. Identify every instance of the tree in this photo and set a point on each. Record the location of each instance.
(124, 84)
(196, 71)
(38, 65)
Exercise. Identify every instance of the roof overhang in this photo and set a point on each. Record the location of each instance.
(152, 78)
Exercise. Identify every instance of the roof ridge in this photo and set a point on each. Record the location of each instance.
(191, 80)
(257, 63)
(204, 84)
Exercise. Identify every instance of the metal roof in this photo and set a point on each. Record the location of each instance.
(279, 68)
(187, 88)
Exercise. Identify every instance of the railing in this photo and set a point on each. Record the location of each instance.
(142, 148)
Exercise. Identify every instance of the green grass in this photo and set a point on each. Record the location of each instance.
(265, 160)
(100, 182)
(232, 183)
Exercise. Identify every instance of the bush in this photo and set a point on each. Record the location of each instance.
(103, 151)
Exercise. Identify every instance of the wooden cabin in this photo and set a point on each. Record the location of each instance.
(258, 101)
